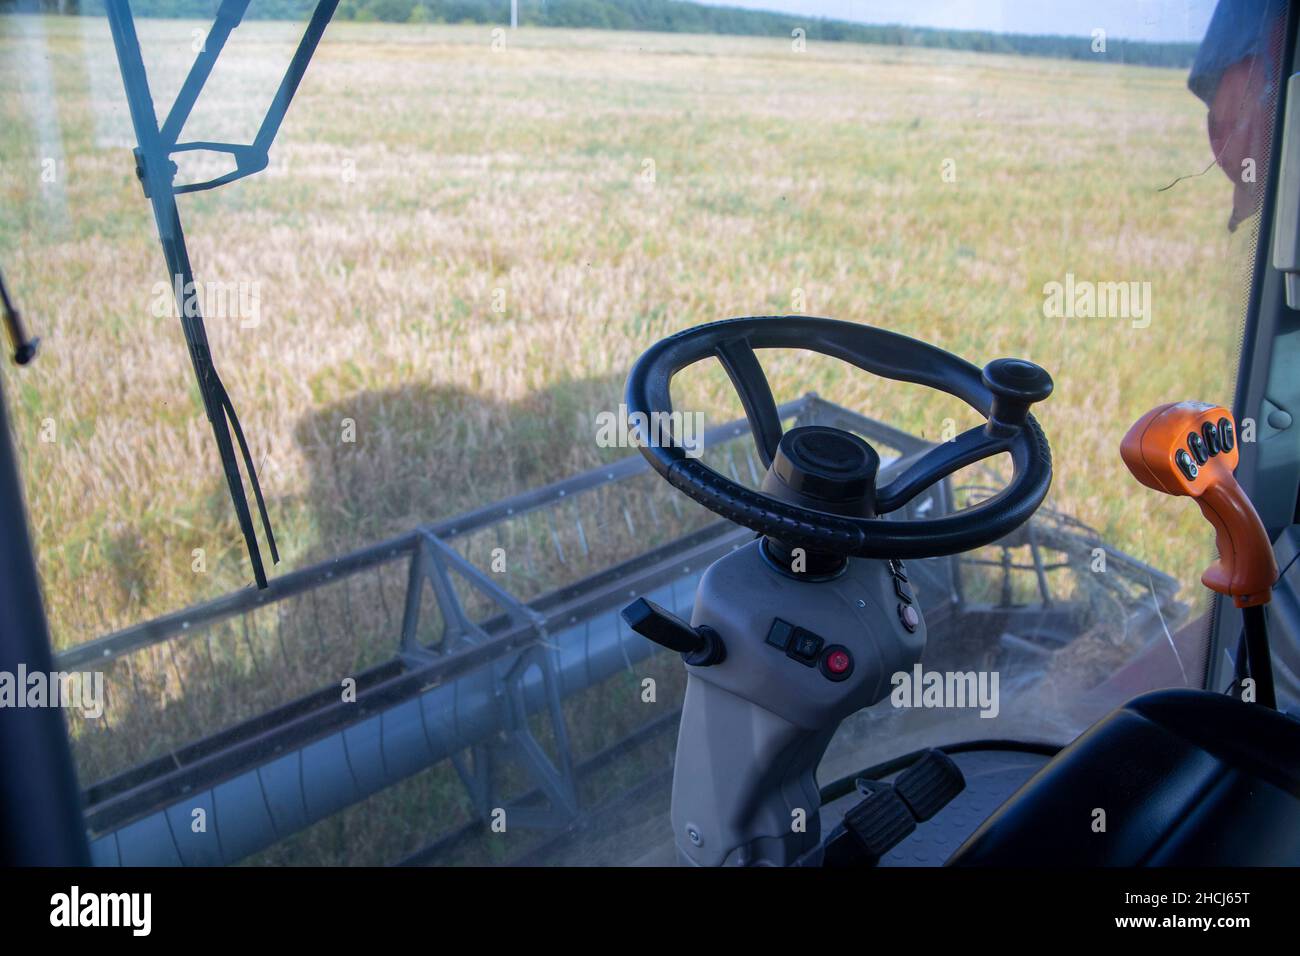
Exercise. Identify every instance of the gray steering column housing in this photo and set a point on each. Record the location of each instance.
(755, 727)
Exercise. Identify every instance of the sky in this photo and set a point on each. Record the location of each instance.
(1177, 20)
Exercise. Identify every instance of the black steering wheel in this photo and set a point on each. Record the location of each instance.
(1002, 392)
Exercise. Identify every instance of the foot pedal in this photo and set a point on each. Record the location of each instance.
(890, 812)
(880, 822)
(930, 784)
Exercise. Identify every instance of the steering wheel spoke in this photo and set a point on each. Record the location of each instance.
(738, 358)
(942, 460)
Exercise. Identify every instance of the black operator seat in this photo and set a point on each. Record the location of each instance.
(1183, 777)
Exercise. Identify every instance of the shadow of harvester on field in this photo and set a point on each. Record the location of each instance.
(411, 455)
(380, 465)
(384, 463)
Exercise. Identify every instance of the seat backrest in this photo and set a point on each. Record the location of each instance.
(1176, 777)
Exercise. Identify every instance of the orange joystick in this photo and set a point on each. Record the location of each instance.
(1190, 448)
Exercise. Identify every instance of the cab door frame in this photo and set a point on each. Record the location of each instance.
(1268, 394)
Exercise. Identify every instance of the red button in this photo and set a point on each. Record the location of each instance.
(836, 663)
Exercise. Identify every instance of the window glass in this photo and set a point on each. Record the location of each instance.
(426, 306)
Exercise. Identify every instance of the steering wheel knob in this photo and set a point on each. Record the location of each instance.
(826, 469)
(1016, 384)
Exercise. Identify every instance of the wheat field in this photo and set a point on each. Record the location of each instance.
(461, 245)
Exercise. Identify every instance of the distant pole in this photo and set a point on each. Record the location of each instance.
(514, 14)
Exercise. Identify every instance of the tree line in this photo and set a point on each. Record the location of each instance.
(662, 16)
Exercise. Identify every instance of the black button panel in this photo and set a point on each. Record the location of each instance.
(802, 645)
(1213, 438)
(907, 614)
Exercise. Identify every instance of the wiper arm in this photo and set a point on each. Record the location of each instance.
(157, 172)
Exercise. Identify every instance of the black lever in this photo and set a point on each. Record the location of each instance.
(1015, 384)
(24, 346)
(699, 646)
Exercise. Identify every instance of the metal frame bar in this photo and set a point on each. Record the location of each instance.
(647, 732)
(136, 791)
(554, 778)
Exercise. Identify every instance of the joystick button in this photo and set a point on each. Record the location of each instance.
(804, 647)
(1211, 433)
(1196, 444)
(903, 591)
(1186, 465)
(780, 633)
(1226, 437)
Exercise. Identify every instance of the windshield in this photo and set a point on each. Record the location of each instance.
(423, 312)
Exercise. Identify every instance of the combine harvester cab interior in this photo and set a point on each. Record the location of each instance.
(802, 637)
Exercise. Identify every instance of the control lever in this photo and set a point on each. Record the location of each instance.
(699, 646)
(1190, 449)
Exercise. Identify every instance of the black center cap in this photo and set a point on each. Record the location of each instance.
(834, 469)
